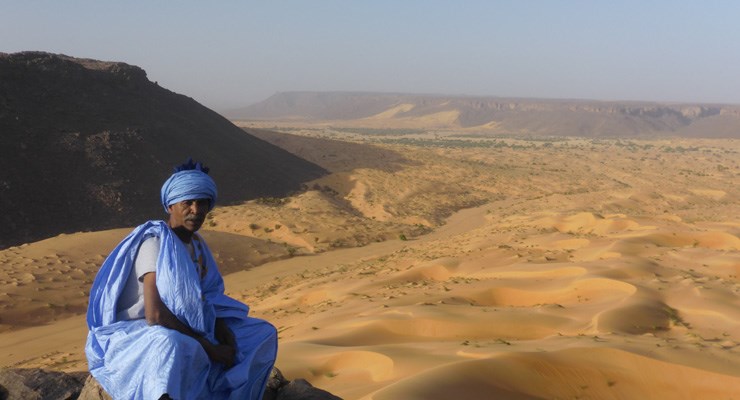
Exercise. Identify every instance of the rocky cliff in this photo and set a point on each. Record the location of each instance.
(488, 115)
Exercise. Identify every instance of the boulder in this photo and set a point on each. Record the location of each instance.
(300, 389)
(279, 388)
(35, 383)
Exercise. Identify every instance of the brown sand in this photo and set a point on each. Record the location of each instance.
(584, 269)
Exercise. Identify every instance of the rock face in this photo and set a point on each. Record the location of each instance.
(86, 145)
(39, 384)
(491, 115)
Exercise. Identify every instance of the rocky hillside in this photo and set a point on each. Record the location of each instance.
(499, 116)
(86, 145)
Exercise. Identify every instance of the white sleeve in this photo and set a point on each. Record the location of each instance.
(146, 258)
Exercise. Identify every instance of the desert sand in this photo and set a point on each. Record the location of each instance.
(445, 267)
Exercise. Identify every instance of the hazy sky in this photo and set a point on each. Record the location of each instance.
(229, 54)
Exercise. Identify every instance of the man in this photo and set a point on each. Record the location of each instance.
(160, 324)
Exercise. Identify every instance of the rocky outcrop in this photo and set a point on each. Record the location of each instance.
(85, 145)
(39, 384)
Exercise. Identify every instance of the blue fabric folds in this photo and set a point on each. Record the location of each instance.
(188, 185)
(133, 360)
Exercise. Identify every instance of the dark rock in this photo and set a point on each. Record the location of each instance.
(276, 380)
(300, 389)
(39, 384)
(274, 383)
(31, 384)
(279, 388)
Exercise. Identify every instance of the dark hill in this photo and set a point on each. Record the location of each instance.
(86, 145)
(491, 115)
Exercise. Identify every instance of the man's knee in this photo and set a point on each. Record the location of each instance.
(262, 328)
(252, 332)
(169, 340)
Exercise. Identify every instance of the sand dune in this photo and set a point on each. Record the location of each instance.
(572, 373)
(568, 272)
(392, 112)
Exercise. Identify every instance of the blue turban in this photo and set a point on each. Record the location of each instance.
(190, 184)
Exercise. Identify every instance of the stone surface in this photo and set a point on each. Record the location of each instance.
(274, 383)
(93, 391)
(31, 384)
(279, 388)
(39, 384)
(300, 389)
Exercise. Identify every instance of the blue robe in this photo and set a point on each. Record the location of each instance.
(133, 360)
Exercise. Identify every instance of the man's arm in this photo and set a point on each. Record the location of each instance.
(157, 313)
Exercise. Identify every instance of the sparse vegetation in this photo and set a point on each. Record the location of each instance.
(380, 132)
(675, 317)
(271, 201)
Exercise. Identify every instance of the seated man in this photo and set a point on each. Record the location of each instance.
(160, 324)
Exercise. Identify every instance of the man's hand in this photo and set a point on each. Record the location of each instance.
(225, 351)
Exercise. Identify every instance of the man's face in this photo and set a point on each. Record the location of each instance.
(188, 214)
